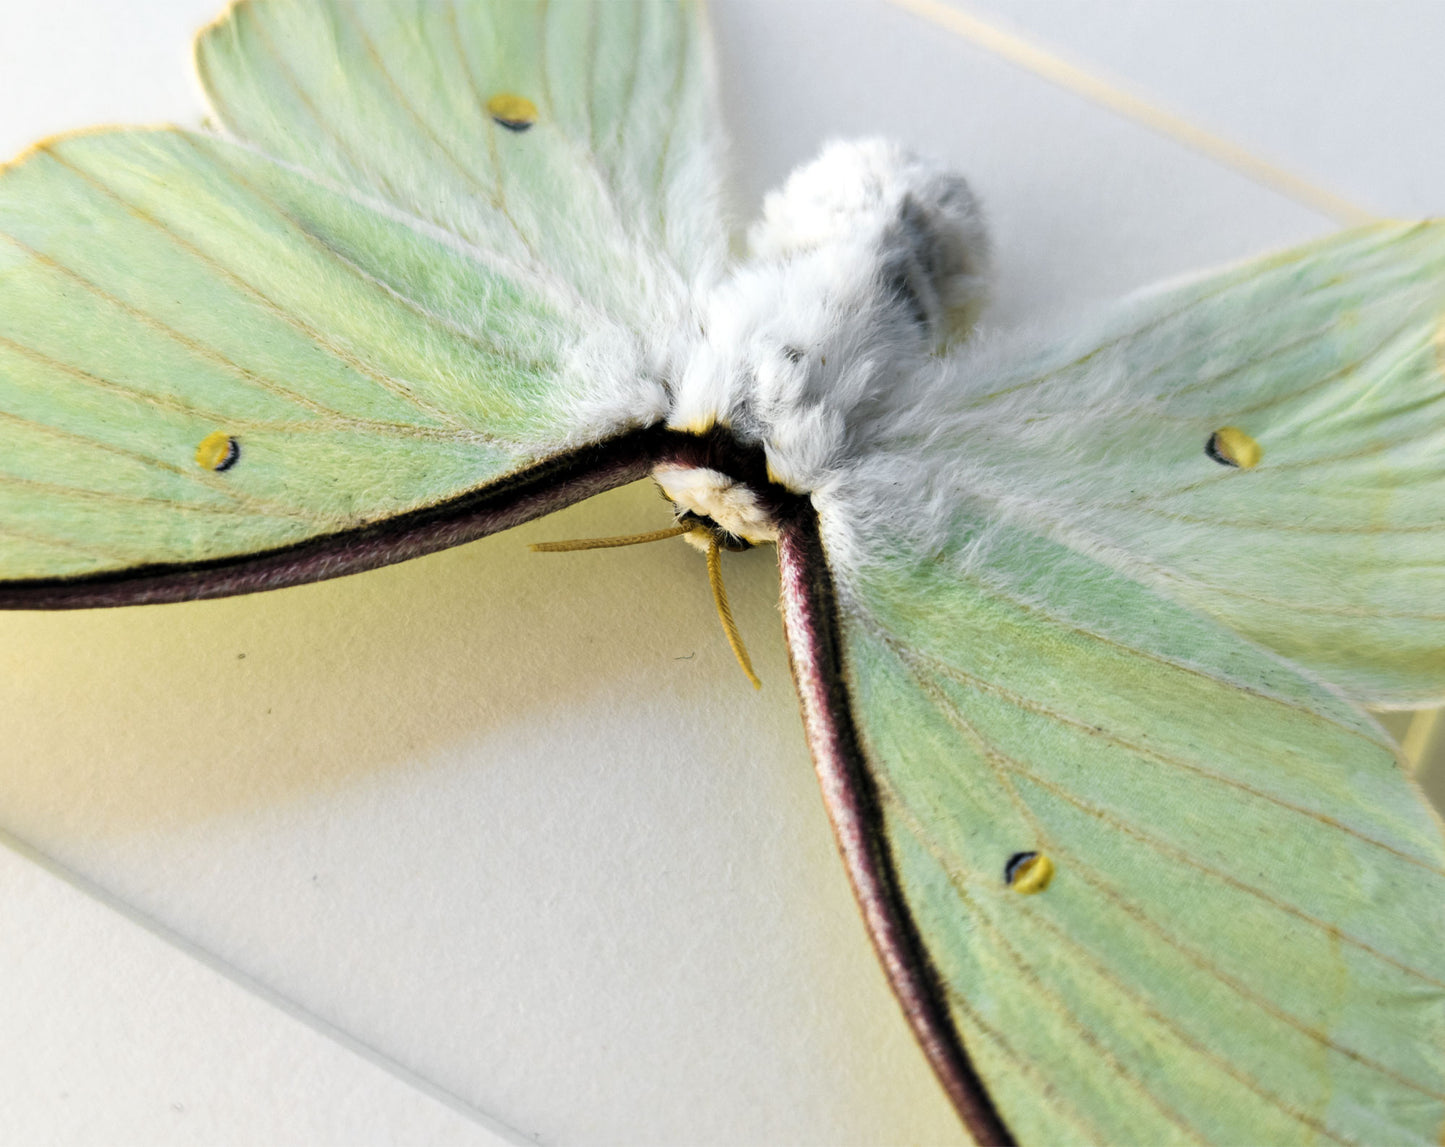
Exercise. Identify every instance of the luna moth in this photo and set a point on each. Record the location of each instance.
(1087, 817)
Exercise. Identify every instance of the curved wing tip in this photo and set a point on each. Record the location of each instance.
(226, 16)
(200, 74)
(47, 144)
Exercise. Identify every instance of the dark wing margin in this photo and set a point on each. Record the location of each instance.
(532, 492)
(815, 650)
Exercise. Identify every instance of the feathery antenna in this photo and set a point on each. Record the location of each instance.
(607, 543)
(724, 611)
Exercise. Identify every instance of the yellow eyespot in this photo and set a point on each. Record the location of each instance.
(217, 451)
(1028, 872)
(511, 111)
(1231, 446)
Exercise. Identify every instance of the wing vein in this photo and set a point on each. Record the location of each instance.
(390, 290)
(209, 354)
(1188, 860)
(1099, 882)
(1383, 236)
(91, 551)
(1018, 962)
(1043, 1085)
(914, 660)
(220, 509)
(1031, 607)
(411, 214)
(998, 761)
(674, 110)
(393, 386)
(293, 81)
(203, 478)
(404, 102)
(1145, 1003)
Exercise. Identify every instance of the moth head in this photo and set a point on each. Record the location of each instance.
(723, 508)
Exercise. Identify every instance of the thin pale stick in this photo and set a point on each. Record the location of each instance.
(607, 543)
(1056, 70)
(725, 613)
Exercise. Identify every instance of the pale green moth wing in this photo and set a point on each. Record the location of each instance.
(207, 352)
(1331, 548)
(1242, 941)
(564, 134)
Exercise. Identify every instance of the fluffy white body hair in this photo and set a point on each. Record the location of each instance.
(865, 263)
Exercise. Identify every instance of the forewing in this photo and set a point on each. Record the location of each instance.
(160, 288)
(612, 174)
(446, 256)
(1331, 550)
(1242, 940)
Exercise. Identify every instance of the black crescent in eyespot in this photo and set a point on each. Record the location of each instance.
(1231, 446)
(1028, 872)
(218, 452)
(1014, 863)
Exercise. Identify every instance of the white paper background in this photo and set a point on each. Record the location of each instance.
(515, 822)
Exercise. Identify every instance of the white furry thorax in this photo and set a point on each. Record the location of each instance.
(865, 263)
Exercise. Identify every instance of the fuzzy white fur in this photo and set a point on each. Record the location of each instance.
(867, 261)
(713, 495)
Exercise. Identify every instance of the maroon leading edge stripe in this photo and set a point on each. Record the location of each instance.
(547, 486)
(810, 618)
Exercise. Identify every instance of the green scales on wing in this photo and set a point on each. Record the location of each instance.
(435, 224)
(1242, 940)
(1331, 550)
